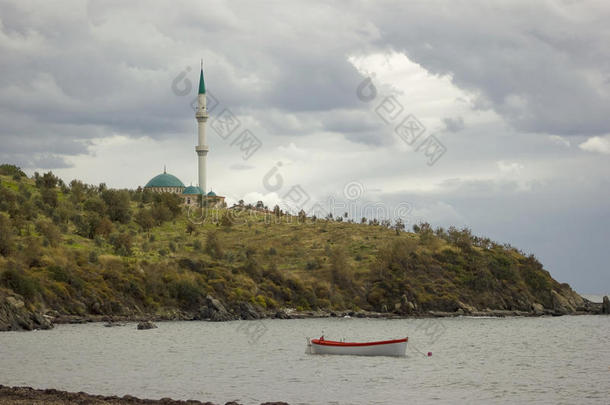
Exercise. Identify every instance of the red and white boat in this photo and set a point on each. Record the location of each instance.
(396, 347)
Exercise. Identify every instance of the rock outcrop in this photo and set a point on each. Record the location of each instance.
(538, 309)
(281, 314)
(247, 311)
(561, 305)
(213, 310)
(15, 315)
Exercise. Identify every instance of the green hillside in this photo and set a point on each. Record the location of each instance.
(76, 249)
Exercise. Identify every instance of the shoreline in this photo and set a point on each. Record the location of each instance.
(27, 395)
(294, 315)
(16, 316)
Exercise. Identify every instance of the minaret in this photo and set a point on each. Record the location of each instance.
(202, 116)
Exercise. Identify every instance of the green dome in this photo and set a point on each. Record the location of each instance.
(164, 180)
(211, 194)
(192, 190)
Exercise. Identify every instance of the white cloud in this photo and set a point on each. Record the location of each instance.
(599, 144)
(560, 140)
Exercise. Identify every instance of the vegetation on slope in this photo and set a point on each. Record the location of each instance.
(78, 249)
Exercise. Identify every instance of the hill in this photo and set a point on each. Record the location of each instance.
(72, 251)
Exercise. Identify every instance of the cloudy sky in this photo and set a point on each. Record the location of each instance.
(495, 117)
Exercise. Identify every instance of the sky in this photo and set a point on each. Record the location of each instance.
(488, 115)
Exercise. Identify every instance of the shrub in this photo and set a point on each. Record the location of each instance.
(49, 231)
(226, 220)
(6, 235)
(11, 170)
(19, 282)
(122, 243)
(145, 219)
(197, 245)
(340, 268)
(187, 293)
(117, 202)
(213, 246)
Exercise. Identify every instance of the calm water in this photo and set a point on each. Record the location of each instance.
(510, 360)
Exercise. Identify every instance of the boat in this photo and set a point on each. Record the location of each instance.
(395, 347)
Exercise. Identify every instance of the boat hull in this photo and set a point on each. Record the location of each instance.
(396, 348)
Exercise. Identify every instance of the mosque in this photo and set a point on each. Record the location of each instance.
(168, 183)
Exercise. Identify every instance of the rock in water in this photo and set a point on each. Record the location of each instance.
(146, 325)
(606, 305)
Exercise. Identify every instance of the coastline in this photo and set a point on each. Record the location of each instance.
(29, 395)
(16, 316)
(288, 315)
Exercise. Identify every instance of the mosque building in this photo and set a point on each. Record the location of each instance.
(168, 183)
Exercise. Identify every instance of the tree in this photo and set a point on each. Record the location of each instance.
(48, 180)
(399, 226)
(302, 216)
(117, 203)
(49, 231)
(6, 235)
(122, 243)
(104, 227)
(171, 201)
(190, 228)
(11, 170)
(77, 191)
(145, 219)
(49, 197)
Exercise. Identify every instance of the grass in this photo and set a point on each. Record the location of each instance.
(268, 261)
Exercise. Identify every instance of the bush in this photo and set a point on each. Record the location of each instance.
(117, 202)
(20, 283)
(49, 231)
(187, 293)
(11, 170)
(197, 245)
(145, 219)
(213, 246)
(122, 243)
(340, 268)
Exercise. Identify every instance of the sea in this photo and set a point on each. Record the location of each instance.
(513, 360)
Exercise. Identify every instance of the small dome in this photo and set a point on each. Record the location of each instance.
(211, 194)
(164, 180)
(192, 190)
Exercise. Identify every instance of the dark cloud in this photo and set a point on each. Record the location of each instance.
(543, 67)
(72, 73)
(453, 124)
